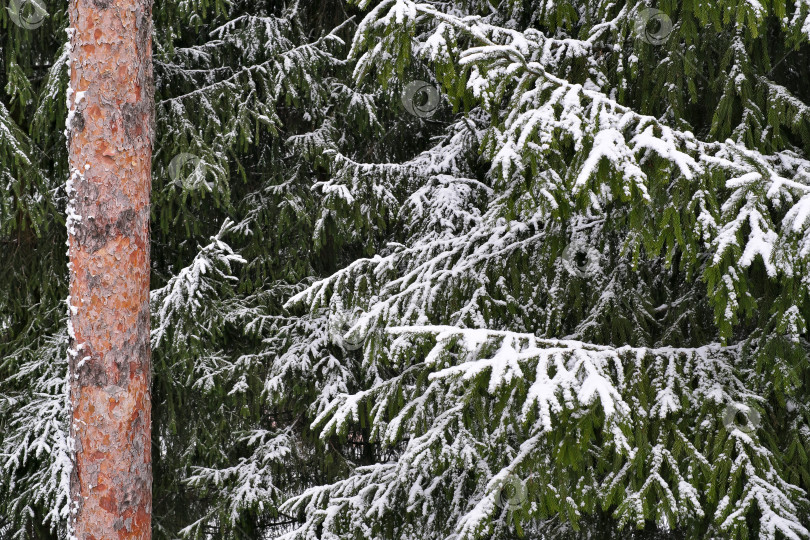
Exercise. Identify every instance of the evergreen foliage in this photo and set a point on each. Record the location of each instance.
(569, 299)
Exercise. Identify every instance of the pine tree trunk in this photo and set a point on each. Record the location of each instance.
(110, 134)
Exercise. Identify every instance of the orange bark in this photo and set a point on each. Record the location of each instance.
(110, 136)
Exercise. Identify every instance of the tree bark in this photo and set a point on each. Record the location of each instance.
(110, 135)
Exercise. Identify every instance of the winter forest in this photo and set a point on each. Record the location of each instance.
(434, 269)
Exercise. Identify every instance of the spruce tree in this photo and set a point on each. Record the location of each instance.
(443, 270)
(595, 323)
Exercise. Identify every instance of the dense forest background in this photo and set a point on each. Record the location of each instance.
(467, 269)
